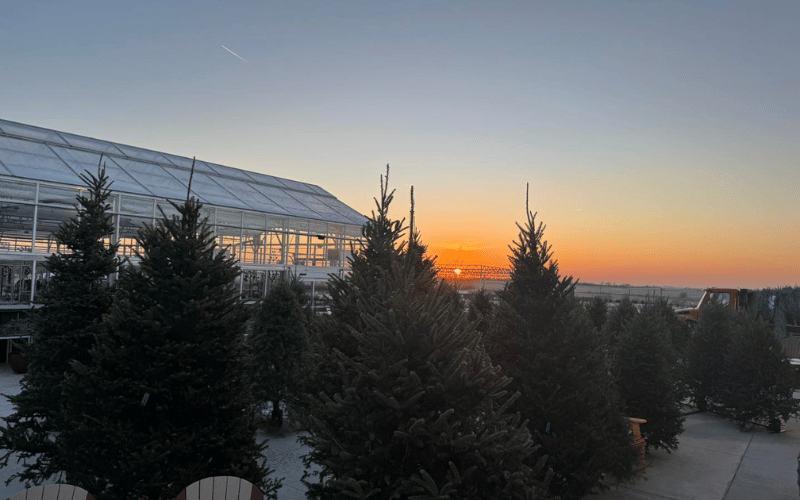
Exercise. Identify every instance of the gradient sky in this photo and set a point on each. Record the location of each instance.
(660, 139)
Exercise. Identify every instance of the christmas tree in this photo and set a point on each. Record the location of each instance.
(598, 312)
(546, 344)
(705, 356)
(481, 311)
(617, 322)
(756, 383)
(412, 407)
(649, 380)
(76, 297)
(165, 399)
(277, 345)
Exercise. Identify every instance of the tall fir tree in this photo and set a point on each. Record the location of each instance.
(598, 312)
(549, 348)
(617, 321)
(414, 408)
(481, 311)
(76, 297)
(165, 399)
(649, 379)
(277, 345)
(705, 356)
(756, 383)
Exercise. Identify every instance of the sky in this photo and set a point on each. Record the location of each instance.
(659, 140)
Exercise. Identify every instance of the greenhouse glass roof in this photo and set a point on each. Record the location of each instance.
(48, 155)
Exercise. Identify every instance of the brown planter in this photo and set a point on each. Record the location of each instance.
(18, 362)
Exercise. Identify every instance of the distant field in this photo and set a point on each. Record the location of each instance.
(678, 296)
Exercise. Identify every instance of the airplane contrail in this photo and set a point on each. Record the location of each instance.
(234, 53)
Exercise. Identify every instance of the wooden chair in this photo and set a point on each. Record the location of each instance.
(221, 488)
(53, 492)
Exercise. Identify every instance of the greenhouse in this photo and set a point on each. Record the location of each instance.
(272, 226)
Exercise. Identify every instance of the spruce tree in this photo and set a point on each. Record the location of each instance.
(598, 312)
(547, 346)
(412, 407)
(756, 383)
(705, 356)
(165, 399)
(76, 297)
(481, 310)
(648, 379)
(277, 346)
(617, 321)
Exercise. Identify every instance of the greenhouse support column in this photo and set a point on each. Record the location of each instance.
(33, 280)
(35, 220)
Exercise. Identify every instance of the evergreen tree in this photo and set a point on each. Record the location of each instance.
(678, 332)
(598, 312)
(706, 355)
(412, 404)
(756, 382)
(77, 295)
(480, 311)
(617, 321)
(277, 344)
(165, 399)
(556, 361)
(649, 381)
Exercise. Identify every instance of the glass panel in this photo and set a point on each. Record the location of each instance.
(15, 281)
(253, 248)
(16, 227)
(58, 195)
(82, 142)
(318, 190)
(183, 162)
(253, 221)
(230, 172)
(22, 191)
(276, 222)
(168, 210)
(205, 188)
(49, 219)
(298, 249)
(136, 206)
(353, 231)
(324, 211)
(346, 213)
(297, 225)
(229, 242)
(298, 186)
(83, 161)
(288, 204)
(4, 170)
(157, 180)
(232, 218)
(267, 180)
(42, 279)
(253, 198)
(318, 251)
(275, 248)
(35, 161)
(31, 132)
(141, 154)
(128, 229)
(207, 213)
(318, 228)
